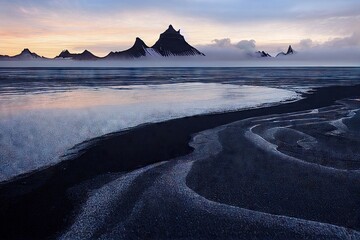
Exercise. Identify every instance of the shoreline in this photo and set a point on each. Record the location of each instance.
(37, 206)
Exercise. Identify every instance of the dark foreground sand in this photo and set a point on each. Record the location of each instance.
(172, 199)
(304, 165)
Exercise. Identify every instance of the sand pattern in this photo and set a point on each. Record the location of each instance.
(256, 178)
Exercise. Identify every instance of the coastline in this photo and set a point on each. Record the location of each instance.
(38, 203)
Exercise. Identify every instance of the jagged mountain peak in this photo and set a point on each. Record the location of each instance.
(26, 51)
(290, 50)
(139, 49)
(171, 30)
(172, 43)
(140, 43)
(85, 55)
(171, 33)
(26, 54)
(64, 54)
(263, 54)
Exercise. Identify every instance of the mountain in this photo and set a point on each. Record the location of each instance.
(290, 51)
(26, 54)
(4, 57)
(86, 55)
(172, 43)
(139, 49)
(262, 54)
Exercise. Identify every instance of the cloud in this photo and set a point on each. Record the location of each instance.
(338, 51)
(326, 56)
(225, 42)
(247, 45)
(224, 49)
(230, 10)
(306, 43)
(351, 41)
(244, 45)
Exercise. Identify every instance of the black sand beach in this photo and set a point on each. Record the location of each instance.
(41, 205)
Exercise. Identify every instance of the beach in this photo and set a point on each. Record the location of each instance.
(178, 120)
(50, 201)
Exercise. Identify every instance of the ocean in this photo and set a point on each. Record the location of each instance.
(45, 112)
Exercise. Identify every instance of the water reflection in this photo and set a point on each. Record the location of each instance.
(36, 129)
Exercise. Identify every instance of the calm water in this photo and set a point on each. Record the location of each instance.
(45, 112)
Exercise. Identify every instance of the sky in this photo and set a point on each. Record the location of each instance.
(48, 27)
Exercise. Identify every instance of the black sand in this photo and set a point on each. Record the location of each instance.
(311, 175)
(37, 206)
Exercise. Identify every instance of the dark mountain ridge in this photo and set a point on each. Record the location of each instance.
(25, 54)
(86, 55)
(263, 54)
(290, 51)
(172, 43)
(139, 49)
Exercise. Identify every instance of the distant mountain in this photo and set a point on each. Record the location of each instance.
(139, 49)
(290, 51)
(4, 57)
(262, 54)
(172, 43)
(26, 54)
(86, 55)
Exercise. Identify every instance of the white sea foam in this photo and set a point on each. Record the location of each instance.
(37, 129)
(276, 123)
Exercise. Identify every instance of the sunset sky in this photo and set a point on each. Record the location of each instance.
(101, 26)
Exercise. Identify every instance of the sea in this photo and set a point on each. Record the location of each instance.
(45, 112)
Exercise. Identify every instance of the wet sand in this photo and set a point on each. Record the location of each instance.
(42, 204)
(299, 165)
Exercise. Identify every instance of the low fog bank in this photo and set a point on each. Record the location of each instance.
(335, 52)
(217, 56)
